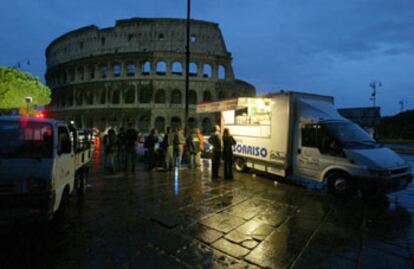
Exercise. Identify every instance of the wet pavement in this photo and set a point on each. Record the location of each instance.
(183, 219)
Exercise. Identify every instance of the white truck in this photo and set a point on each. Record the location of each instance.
(301, 136)
(41, 164)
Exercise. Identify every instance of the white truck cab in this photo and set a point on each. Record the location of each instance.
(302, 136)
(38, 167)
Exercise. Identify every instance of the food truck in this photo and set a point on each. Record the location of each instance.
(302, 136)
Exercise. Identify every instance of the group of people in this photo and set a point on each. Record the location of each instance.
(222, 147)
(173, 148)
(119, 149)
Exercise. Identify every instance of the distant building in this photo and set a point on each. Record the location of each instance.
(135, 72)
(363, 116)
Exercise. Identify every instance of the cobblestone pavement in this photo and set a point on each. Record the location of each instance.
(184, 219)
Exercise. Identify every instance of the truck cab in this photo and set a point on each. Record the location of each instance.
(347, 157)
(37, 167)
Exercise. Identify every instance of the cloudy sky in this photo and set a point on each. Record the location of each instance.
(332, 47)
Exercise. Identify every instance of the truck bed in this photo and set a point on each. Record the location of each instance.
(82, 157)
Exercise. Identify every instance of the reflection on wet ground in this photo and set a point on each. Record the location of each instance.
(183, 219)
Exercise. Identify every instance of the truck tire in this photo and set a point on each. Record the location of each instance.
(340, 184)
(240, 165)
(80, 188)
(64, 201)
(82, 182)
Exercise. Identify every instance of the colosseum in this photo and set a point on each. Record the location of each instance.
(134, 72)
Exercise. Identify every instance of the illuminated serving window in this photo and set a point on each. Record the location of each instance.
(252, 117)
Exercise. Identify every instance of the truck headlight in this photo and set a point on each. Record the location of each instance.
(379, 173)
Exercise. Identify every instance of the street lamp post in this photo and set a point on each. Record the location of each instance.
(28, 100)
(187, 67)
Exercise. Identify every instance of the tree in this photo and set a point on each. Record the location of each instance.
(15, 85)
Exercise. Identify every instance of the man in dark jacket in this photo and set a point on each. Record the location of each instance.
(215, 141)
(169, 149)
(228, 143)
(192, 149)
(152, 139)
(179, 142)
(131, 137)
(122, 149)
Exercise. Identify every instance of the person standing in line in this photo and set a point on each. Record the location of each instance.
(179, 142)
(112, 150)
(169, 149)
(215, 141)
(140, 150)
(200, 147)
(228, 143)
(105, 144)
(131, 138)
(192, 150)
(152, 139)
(122, 149)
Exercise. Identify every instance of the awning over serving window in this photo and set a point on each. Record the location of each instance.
(231, 104)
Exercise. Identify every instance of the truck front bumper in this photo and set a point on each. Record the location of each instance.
(385, 185)
(26, 206)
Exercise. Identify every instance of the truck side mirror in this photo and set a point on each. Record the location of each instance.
(65, 145)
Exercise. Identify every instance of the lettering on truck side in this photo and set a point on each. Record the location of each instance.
(250, 150)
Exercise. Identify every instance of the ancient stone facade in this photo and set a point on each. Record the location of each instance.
(135, 72)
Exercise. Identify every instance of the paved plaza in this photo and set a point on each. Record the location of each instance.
(184, 219)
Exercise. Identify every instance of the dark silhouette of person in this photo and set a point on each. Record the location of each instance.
(152, 139)
(131, 136)
(122, 149)
(169, 149)
(112, 150)
(215, 141)
(179, 142)
(192, 150)
(228, 143)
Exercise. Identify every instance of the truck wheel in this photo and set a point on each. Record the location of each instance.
(340, 185)
(81, 184)
(240, 165)
(80, 189)
(64, 201)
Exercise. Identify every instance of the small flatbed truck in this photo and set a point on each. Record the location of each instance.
(41, 165)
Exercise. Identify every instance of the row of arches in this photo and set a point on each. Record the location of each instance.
(132, 69)
(176, 122)
(144, 123)
(131, 95)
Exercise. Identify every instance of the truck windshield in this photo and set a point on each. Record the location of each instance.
(25, 139)
(350, 135)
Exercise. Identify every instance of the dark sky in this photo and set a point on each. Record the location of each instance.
(332, 47)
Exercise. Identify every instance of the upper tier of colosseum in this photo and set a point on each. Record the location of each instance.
(134, 35)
